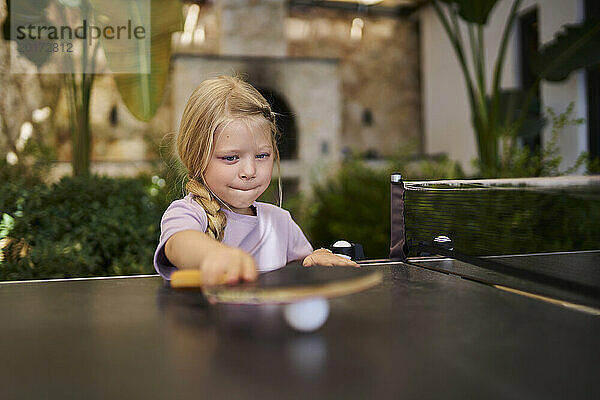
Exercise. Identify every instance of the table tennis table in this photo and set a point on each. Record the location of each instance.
(433, 329)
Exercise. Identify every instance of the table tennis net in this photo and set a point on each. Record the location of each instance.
(491, 217)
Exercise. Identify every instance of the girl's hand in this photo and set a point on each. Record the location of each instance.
(327, 258)
(227, 265)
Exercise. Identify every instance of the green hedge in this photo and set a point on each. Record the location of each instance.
(354, 205)
(82, 226)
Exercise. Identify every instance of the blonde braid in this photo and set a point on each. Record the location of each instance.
(217, 220)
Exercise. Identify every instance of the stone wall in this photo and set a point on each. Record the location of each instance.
(379, 75)
(252, 28)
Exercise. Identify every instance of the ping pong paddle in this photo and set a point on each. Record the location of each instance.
(288, 284)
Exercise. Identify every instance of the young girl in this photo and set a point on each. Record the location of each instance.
(227, 142)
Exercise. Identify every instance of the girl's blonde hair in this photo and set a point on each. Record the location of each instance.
(214, 104)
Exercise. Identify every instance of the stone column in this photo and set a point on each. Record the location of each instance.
(252, 27)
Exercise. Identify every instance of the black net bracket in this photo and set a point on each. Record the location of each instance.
(398, 244)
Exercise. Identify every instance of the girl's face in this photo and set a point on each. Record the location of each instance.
(241, 164)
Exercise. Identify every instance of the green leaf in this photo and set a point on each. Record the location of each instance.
(141, 92)
(574, 47)
(473, 11)
(6, 225)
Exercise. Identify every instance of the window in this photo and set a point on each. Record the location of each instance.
(529, 44)
(592, 10)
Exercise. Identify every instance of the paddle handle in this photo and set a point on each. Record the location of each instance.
(186, 278)
(192, 279)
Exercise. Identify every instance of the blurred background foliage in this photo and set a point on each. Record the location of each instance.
(80, 226)
(92, 225)
(508, 115)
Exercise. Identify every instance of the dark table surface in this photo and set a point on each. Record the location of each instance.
(419, 334)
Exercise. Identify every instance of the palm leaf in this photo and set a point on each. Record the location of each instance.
(474, 11)
(574, 47)
(141, 92)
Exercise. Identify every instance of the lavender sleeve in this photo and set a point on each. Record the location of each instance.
(181, 215)
(298, 246)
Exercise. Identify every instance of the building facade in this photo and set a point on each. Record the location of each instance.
(446, 114)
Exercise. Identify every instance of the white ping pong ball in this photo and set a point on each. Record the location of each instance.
(307, 315)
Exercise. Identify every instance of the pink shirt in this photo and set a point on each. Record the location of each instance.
(271, 237)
